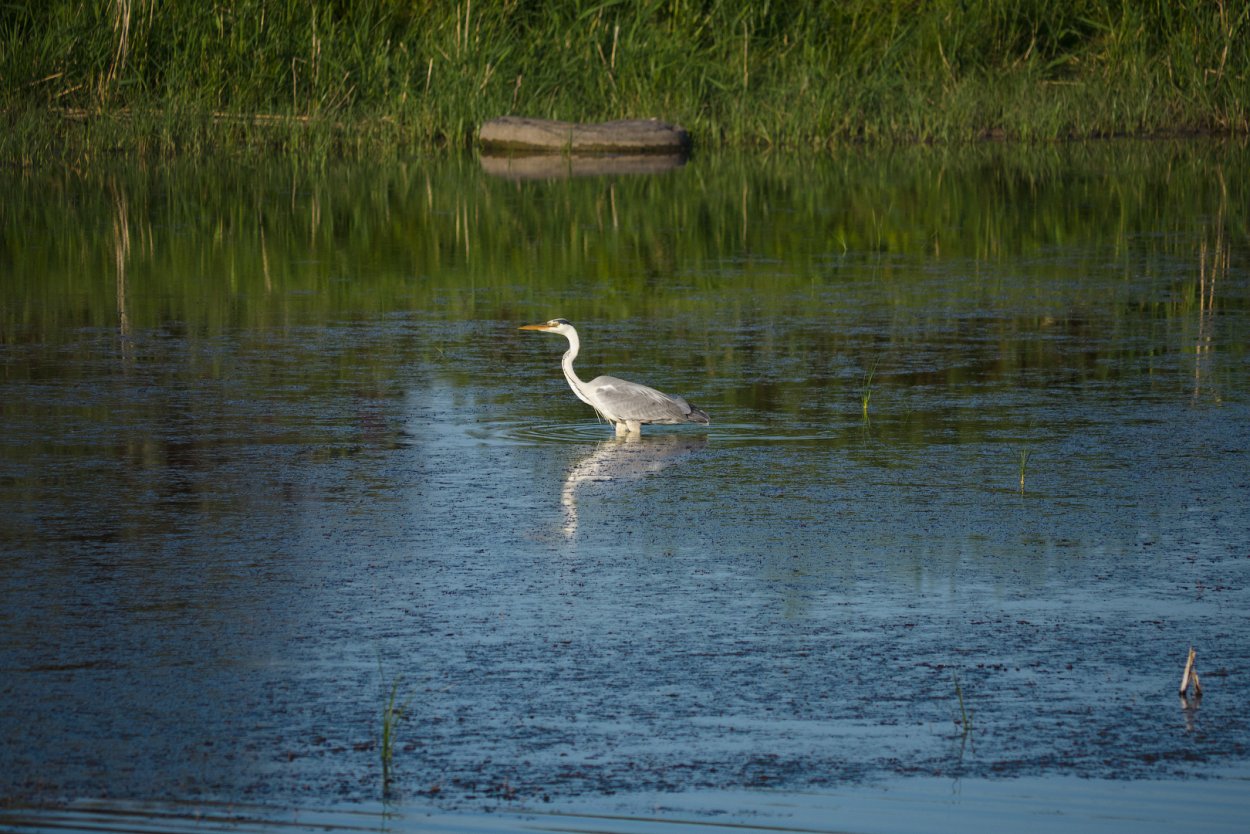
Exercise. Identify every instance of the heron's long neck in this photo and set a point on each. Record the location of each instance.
(574, 380)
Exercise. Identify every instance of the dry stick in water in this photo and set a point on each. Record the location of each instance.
(1191, 674)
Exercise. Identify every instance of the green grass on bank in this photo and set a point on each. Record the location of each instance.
(82, 78)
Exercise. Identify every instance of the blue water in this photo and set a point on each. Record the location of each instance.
(225, 542)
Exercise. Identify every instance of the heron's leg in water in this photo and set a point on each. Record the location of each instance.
(621, 429)
(633, 426)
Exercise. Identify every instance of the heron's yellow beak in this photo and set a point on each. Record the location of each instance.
(534, 327)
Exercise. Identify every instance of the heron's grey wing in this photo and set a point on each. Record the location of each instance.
(624, 400)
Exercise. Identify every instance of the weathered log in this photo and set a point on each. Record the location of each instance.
(634, 136)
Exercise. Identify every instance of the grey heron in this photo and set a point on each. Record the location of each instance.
(626, 405)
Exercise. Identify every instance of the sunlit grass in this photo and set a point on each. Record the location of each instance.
(361, 78)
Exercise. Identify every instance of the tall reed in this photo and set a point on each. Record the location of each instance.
(392, 713)
(353, 77)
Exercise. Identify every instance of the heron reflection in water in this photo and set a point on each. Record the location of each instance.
(623, 459)
(626, 405)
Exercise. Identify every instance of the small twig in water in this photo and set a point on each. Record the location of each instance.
(1190, 676)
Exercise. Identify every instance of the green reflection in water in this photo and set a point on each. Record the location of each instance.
(768, 275)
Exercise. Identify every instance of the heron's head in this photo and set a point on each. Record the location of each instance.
(553, 326)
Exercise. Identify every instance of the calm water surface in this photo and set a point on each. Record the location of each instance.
(272, 444)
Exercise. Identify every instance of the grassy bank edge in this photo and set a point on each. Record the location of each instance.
(90, 79)
(36, 138)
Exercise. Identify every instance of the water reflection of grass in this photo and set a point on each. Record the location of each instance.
(208, 245)
(987, 273)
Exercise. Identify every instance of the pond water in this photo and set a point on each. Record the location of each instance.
(274, 452)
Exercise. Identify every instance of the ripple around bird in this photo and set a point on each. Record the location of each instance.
(589, 431)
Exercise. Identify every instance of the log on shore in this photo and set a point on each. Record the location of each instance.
(633, 136)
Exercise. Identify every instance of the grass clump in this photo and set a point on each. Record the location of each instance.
(315, 76)
(964, 720)
(392, 713)
(865, 389)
